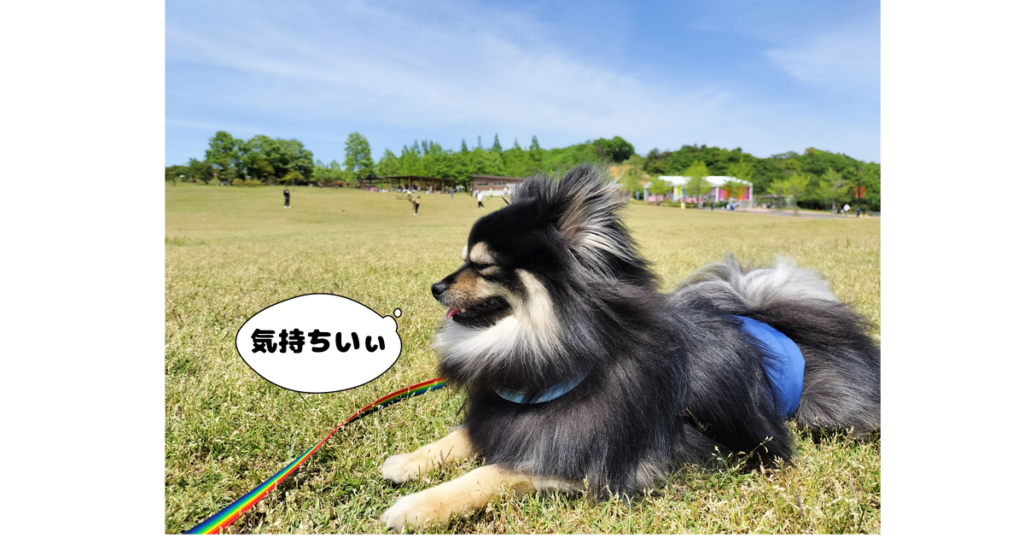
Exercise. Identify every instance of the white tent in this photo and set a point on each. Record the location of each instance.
(715, 193)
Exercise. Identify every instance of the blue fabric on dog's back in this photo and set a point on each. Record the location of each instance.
(785, 368)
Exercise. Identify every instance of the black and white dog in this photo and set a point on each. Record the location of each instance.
(580, 375)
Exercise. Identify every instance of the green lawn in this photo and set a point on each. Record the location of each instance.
(232, 251)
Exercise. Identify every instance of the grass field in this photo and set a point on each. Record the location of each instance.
(231, 252)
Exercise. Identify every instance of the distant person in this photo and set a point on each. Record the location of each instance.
(491, 192)
(415, 206)
(287, 199)
(858, 212)
(846, 209)
(480, 200)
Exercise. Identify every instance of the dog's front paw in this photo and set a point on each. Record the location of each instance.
(401, 468)
(414, 511)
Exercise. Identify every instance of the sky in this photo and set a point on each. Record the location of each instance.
(766, 77)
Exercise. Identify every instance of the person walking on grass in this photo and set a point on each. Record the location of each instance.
(415, 206)
(287, 199)
(480, 200)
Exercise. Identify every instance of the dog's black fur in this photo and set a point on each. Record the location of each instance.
(668, 377)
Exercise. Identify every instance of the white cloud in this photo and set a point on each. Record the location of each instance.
(849, 59)
(208, 125)
(466, 68)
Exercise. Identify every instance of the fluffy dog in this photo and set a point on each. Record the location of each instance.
(580, 376)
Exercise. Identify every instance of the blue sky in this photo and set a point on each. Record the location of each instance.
(765, 77)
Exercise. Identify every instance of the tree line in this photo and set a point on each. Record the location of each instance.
(813, 178)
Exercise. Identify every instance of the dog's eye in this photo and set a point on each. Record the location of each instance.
(486, 268)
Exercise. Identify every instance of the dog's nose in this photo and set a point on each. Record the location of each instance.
(438, 289)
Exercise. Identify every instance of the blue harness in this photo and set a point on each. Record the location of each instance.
(784, 364)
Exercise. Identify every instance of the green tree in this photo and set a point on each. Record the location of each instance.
(659, 186)
(293, 177)
(520, 162)
(798, 187)
(485, 163)
(882, 185)
(818, 162)
(253, 159)
(174, 172)
(834, 187)
(388, 164)
(321, 173)
(794, 187)
(223, 151)
(870, 176)
(786, 155)
(536, 154)
(261, 168)
(201, 170)
(228, 175)
(358, 160)
(633, 177)
(409, 162)
(328, 174)
(269, 158)
(779, 188)
(741, 170)
(439, 162)
(733, 189)
(496, 147)
(297, 158)
(790, 166)
(717, 160)
(697, 180)
(460, 167)
(565, 158)
(615, 150)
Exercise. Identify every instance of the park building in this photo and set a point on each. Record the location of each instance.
(496, 183)
(716, 194)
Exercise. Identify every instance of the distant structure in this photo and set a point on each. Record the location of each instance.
(498, 183)
(434, 184)
(716, 194)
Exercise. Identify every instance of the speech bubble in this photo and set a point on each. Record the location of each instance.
(319, 343)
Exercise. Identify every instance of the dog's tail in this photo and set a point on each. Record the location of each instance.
(738, 290)
(842, 374)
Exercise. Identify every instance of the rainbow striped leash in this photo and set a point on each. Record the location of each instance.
(215, 523)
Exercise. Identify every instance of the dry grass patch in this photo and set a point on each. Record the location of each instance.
(231, 252)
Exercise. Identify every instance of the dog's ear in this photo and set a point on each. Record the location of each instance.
(589, 220)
